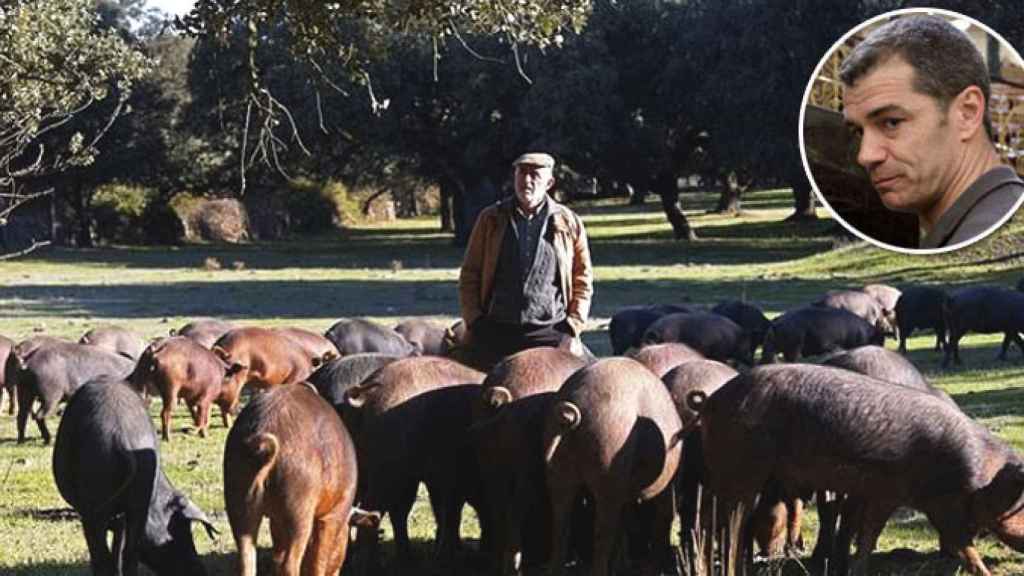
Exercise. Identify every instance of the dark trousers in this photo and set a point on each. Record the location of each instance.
(493, 341)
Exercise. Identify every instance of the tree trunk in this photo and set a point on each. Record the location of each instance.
(669, 193)
(447, 188)
(83, 236)
(637, 194)
(803, 200)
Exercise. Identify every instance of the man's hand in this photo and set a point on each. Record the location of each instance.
(576, 346)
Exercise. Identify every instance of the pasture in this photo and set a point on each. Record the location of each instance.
(407, 269)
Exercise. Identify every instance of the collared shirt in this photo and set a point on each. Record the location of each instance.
(990, 200)
(528, 230)
(526, 289)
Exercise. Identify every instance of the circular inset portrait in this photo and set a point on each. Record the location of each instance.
(912, 130)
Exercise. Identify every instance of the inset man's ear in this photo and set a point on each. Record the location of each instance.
(967, 111)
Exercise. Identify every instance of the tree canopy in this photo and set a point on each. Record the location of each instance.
(57, 64)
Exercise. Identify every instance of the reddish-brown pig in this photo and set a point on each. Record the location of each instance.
(178, 367)
(289, 458)
(612, 431)
(261, 357)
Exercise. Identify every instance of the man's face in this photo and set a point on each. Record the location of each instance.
(907, 144)
(532, 185)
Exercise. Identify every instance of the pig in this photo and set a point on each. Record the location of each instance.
(6, 385)
(823, 428)
(707, 376)
(886, 365)
(813, 330)
(205, 331)
(115, 339)
(426, 336)
(660, 358)
(53, 372)
(335, 377)
(179, 367)
(748, 317)
(860, 304)
(886, 295)
(261, 357)
(612, 431)
(318, 348)
(628, 325)
(289, 458)
(984, 309)
(921, 307)
(508, 423)
(106, 464)
(360, 335)
(713, 335)
(15, 363)
(413, 417)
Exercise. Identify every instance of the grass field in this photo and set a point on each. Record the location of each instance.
(405, 269)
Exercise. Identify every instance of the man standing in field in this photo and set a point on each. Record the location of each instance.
(916, 94)
(526, 278)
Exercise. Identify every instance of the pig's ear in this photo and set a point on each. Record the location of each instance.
(220, 352)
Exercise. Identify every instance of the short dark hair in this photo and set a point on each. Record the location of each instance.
(944, 59)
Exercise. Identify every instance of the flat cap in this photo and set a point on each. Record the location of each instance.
(536, 159)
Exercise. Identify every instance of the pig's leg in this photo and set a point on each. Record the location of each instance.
(25, 399)
(873, 520)
(794, 539)
(203, 421)
(828, 510)
(661, 545)
(563, 495)
(291, 536)
(170, 400)
(399, 514)
(327, 543)
(607, 527)
(100, 559)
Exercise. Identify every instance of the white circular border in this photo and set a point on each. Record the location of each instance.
(803, 151)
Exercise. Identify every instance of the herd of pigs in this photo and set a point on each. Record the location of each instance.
(572, 463)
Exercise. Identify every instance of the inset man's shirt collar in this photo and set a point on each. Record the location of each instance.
(990, 200)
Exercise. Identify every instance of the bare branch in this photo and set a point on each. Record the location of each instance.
(35, 246)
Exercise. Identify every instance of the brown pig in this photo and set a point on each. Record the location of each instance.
(612, 431)
(319, 349)
(411, 425)
(660, 358)
(178, 367)
(205, 331)
(115, 339)
(289, 458)
(261, 357)
(6, 346)
(509, 423)
(823, 428)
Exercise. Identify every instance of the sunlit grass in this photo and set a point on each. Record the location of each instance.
(391, 271)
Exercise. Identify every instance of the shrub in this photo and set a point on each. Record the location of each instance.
(119, 212)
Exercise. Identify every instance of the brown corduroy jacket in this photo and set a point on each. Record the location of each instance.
(576, 276)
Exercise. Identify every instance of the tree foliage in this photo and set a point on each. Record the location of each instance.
(57, 64)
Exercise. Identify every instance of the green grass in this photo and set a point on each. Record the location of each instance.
(404, 269)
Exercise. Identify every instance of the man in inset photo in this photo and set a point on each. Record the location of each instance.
(916, 95)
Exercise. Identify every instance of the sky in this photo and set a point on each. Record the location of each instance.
(177, 7)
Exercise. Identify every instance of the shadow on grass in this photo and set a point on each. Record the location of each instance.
(992, 403)
(387, 295)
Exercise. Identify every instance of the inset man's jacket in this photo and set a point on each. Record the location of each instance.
(576, 281)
